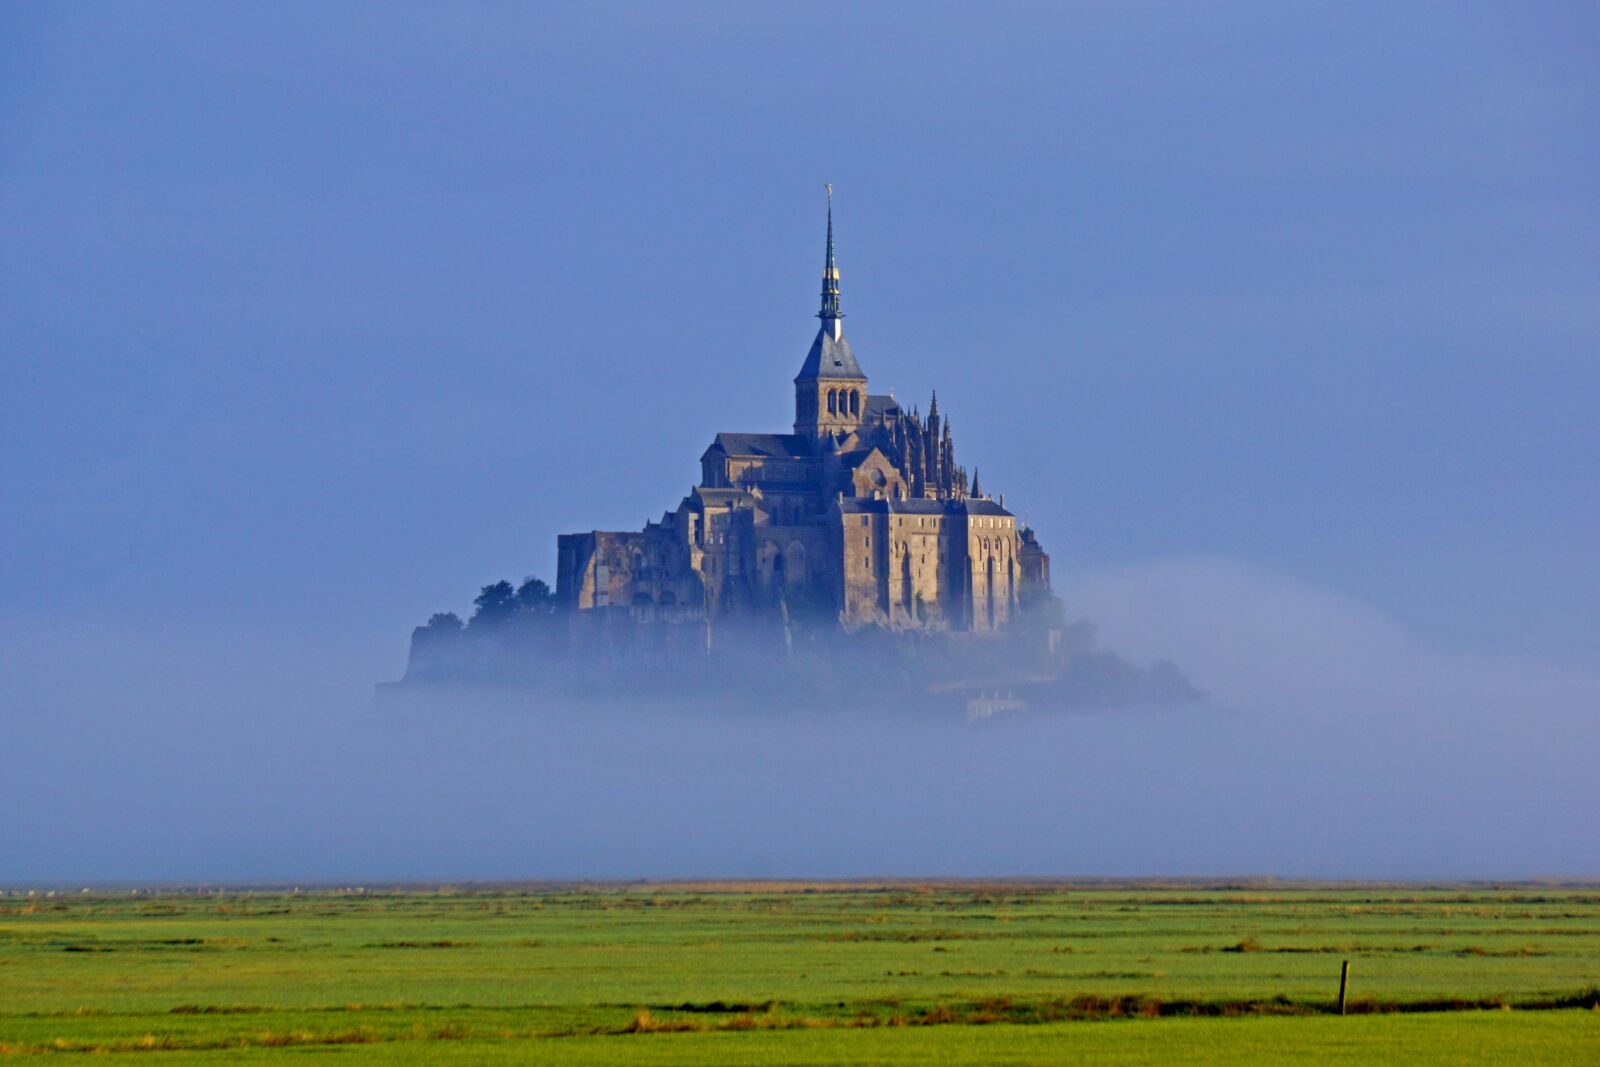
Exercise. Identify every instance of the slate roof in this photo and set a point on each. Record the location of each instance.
(830, 357)
(772, 445)
(881, 407)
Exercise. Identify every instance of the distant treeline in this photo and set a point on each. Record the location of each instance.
(498, 603)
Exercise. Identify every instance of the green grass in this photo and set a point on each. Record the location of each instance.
(984, 973)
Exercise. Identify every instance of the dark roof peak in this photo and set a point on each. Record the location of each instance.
(830, 357)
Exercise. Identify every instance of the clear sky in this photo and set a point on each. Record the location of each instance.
(314, 318)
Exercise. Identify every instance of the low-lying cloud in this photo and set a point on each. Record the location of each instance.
(1335, 745)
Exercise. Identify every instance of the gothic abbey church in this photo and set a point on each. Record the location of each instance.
(862, 512)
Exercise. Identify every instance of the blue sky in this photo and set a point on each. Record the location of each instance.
(313, 318)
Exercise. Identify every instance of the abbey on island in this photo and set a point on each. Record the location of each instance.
(862, 511)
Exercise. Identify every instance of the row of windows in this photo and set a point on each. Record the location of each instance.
(996, 543)
(844, 402)
(989, 581)
(926, 521)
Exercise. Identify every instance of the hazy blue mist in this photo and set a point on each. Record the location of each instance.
(1282, 326)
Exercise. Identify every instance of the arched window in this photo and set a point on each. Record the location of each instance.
(855, 403)
(833, 402)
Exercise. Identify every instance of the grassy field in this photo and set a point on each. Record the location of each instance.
(985, 973)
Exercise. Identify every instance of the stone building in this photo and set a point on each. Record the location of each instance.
(862, 513)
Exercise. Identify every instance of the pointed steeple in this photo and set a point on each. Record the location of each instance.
(933, 408)
(830, 355)
(830, 313)
(976, 492)
(830, 392)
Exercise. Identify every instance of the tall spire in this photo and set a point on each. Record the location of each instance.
(830, 392)
(830, 313)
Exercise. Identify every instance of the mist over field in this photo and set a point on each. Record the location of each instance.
(1276, 322)
(1334, 746)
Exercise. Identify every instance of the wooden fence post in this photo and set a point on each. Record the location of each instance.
(1344, 978)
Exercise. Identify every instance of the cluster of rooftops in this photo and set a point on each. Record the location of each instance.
(840, 426)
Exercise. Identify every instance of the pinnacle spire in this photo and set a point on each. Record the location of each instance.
(830, 313)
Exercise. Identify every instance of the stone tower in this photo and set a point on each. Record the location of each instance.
(830, 392)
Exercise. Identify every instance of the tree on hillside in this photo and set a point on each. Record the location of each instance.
(496, 604)
(535, 597)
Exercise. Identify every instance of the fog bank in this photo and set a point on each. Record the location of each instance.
(1334, 746)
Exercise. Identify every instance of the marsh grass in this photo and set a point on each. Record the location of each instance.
(260, 972)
